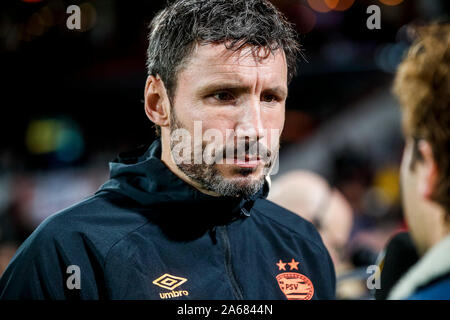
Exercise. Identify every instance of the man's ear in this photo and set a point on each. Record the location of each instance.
(156, 101)
(428, 172)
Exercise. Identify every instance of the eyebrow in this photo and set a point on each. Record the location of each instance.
(237, 87)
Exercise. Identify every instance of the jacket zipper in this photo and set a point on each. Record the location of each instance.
(229, 268)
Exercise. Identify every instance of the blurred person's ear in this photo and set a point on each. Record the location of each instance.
(157, 106)
(427, 170)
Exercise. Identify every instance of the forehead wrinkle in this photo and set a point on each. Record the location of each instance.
(201, 54)
(239, 80)
(234, 71)
(205, 66)
(245, 63)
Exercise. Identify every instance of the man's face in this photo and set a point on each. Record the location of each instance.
(240, 96)
(421, 222)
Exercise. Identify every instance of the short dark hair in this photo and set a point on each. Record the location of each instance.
(178, 28)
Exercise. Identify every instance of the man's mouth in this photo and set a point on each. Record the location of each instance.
(247, 161)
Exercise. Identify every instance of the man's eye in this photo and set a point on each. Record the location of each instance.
(269, 98)
(223, 96)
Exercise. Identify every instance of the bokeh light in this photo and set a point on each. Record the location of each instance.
(388, 56)
(332, 4)
(88, 16)
(340, 5)
(40, 136)
(60, 137)
(391, 2)
(321, 5)
(386, 181)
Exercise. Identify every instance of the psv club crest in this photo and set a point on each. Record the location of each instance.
(294, 285)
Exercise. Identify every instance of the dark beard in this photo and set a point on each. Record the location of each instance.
(210, 178)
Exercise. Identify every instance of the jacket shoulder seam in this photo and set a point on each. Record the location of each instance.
(120, 240)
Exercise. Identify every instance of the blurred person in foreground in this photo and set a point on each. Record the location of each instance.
(311, 197)
(163, 229)
(422, 85)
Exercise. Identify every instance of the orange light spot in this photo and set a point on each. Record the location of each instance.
(391, 2)
(340, 5)
(320, 5)
(332, 4)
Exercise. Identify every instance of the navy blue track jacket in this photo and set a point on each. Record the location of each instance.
(146, 234)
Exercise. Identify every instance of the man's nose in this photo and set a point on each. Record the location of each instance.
(250, 124)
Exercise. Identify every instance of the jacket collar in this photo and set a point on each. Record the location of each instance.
(146, 180)
(434, 264)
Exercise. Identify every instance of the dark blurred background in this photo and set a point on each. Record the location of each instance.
(72, 99)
